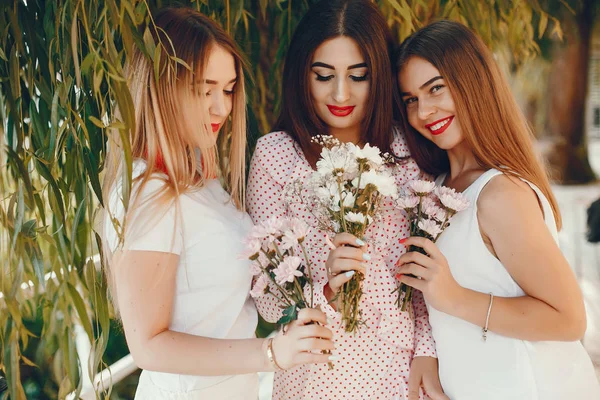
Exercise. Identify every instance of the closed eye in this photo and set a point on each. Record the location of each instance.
(359, 78)
(324, 78)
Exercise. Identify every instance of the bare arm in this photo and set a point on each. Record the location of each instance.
(145, 287)
(510, 217)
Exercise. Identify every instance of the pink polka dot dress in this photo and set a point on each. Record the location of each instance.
(374, 362)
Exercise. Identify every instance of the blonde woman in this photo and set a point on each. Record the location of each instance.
(180, 287)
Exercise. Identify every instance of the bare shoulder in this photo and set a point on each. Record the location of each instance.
(507, 200)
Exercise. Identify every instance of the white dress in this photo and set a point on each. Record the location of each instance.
(501, 368)
(212, 285)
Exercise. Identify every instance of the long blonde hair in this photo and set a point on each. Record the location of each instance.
(493, 125)
(172, 133)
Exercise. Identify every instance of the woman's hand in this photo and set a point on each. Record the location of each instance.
(347, 257)
(433, 276)
(424, 373)
(304, 341)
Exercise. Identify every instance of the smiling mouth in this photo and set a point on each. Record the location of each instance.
(215, 127)
(438, 127)
(340, 111)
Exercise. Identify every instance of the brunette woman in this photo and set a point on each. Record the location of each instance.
(338, 80)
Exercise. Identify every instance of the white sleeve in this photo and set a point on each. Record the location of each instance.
(149, 227)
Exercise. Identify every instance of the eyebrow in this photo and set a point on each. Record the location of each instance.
(211, 82)
(353, 66)
(429, 82)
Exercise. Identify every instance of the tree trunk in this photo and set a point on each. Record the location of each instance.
(568, 88)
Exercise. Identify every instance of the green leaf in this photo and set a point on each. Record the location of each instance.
(289, 314)
(81, 311)
(53, 126)
(91, 167)
(19, 215)
(79, 216)
(543, 24)
(96, 122)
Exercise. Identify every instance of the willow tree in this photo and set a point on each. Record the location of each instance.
(61, 80)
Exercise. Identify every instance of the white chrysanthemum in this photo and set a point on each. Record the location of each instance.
(430, 226)
(421, 187)
(453, 201)
(260, 286)
(383, 181)
(348, 199)
(336, 160)
(368, 152)
(407, 202)
(357, 218)
(287, 270)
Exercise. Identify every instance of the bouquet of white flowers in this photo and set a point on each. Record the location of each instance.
(429, 210)
(344, 194)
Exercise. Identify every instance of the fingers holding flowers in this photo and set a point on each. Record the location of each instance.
(347, 258)
(430, 273)
(305, 341)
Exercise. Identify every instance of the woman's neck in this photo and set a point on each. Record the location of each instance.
(346, 135)
(464, 167)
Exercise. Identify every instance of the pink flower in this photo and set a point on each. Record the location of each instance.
(407, 202)
(294, 233)
(430, 226)
(452, 200)
(260, 286)
(252, 249)
(288, 270)
(421, 187)
(255, 268)
(269, 229)
(299, 229)
(430, 208)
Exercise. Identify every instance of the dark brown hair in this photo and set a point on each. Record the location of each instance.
(363, 22)
(492, 123)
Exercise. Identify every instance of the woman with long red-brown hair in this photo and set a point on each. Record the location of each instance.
(505, 307)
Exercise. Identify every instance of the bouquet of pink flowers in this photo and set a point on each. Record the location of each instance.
(276, 249)
(273, 248)
(429, 210)
(344, 195)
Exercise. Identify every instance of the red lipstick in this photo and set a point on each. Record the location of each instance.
(215, 127)
(340, 111)
(438, 127)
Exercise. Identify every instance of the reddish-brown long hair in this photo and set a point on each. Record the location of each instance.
(491, 121)
(362, 21)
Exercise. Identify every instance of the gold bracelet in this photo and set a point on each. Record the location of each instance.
(271, 355)
(487, 318)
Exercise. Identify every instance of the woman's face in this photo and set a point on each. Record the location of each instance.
(339, 86)
(429, 104)
(220, 77)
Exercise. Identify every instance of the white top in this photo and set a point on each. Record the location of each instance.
(213, 284)
(501, 368)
